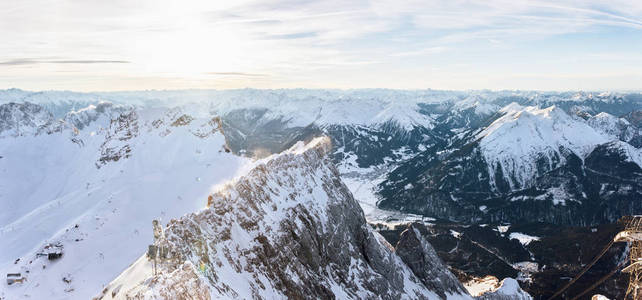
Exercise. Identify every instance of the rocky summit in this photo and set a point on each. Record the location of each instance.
(290, 229)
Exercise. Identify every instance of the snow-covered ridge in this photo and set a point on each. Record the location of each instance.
(155, 163)
(617, 128)
(300, 111)
(19, 119)
(301, 107)
(298, 107)
(288, 229)
(83, 117)
(524, 136)
(479, 103)
(29, 119)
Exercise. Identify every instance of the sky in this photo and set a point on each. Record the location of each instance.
(96, 45)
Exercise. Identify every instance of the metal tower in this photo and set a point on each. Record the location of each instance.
(632, 234)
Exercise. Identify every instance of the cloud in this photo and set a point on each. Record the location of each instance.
(18, 62)
(325, 43)
(27, 61)
(425, 51)
(237, 74)
(290, 36)
(88, 62)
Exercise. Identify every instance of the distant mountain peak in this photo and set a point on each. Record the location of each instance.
(525, 135)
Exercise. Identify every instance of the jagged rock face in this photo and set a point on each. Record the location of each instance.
(121, 129)
(291, 229)
(182, 283)
(422, 259)
(84, 117)
(20, 119)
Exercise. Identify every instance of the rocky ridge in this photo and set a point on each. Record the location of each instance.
(291, 229)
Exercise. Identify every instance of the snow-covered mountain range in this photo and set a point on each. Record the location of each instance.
(525, 164)
(88, 170)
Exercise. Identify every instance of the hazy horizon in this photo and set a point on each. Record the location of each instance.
(623, 91)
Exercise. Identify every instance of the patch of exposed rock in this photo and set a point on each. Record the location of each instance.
(422, 259)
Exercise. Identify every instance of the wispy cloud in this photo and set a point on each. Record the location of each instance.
(237, 74)
(424, 51)
(290, 36)
(88, 62)
(26, 61)
(330, 43)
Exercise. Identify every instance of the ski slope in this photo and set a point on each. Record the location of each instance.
(55, 190)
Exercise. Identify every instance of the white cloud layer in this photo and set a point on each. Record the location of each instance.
(122, 44)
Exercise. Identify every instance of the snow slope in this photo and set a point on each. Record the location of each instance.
(508, 290)
(524, 136)
(95, 190)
